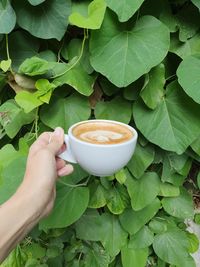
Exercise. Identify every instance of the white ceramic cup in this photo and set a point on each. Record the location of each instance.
(99, 159)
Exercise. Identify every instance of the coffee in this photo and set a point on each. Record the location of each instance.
(105, 133)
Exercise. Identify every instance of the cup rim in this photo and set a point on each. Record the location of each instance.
(134, 138)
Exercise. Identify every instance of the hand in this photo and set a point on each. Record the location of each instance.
(35, 197)
(42, 170)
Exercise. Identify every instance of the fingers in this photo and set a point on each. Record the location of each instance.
(66, 170)
(62, 149)
(60, 163)
(56, 140)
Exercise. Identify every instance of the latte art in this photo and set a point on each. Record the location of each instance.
(102, 133)
(101, 136)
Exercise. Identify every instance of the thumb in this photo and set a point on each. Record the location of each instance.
(56, 140)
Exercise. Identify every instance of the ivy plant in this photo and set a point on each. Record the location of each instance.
(138, 62)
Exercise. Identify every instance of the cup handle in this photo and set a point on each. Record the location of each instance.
(67, 154)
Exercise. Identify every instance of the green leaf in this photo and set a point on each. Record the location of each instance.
(197, 218)
(36, 250)
(169, 174)
(117, 109)
(115, 50)
(180, 206)
(113, 237)
(74, 48)
(193, 242)
(97, 195)
(16, 258)
(196, 145)
(70, 204)
(90, 226)
(132, 221)
(13, 117)
(125, 9)
(158, 225)
(34, 66)
(180, 163)
(28, 101)
(65, 111)
(7, 17)
(171, 247)
(36, 2)
(141, 160)
(78, 78)
(142, 239)
(134, 257)
(8, 154)
(165, 125)
(196, 3)
(137, 188)
(5, 64)
(12, 177)
(96, 11)
(121, 176)
(184, 49)
(115, 201)
(97, 257)
(186, 21)
(21, 46)
(45, 89)
(46, 21)
(190, 65)
(153, 90)
(168, 190)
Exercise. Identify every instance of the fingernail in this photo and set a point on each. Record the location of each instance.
(58, 131)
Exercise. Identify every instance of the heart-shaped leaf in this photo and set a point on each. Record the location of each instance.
(141, 159)
(69, 206)
(14, 117)
(190, 83)
(46, 21)
(175, 242)
(180, 206)
(117, 109)
(123, 55)
(65, 111)
(124, 8)
(174, 124)
(142, 239)
(36, 2)
(196, 3)
(132, 221)
(134, 257)
(7, 17)
(136, 189)
(153, 90)
(96, 11)
(5, 64)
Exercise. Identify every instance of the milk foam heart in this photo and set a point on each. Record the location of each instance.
(102, 133)
(101, 136)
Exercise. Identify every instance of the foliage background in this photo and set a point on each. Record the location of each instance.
(137, 62)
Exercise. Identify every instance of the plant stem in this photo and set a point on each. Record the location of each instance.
(78, 59)
(75, 185)
(7, 52)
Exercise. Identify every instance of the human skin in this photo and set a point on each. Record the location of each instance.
(34, 199)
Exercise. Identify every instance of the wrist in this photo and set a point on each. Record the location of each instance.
(27, 205)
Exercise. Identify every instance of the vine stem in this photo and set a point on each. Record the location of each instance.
(78, 59)
(75, 185)
(7, 52)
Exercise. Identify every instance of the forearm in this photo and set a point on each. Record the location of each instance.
(16, 219)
